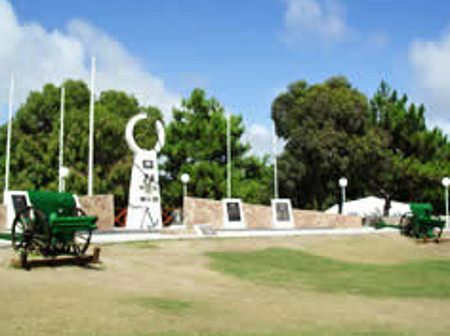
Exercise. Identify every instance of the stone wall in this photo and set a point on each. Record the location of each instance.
(204, 211)
(2, 217)
(101, 206)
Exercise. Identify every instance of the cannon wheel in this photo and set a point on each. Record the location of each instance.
(30, 232)
(81, 239)
(437, 231)
(406, 226)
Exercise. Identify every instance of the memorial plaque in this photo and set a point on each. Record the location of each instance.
(234, 212)
(19, 203)
(233, 215)
(282, 210)
(282, 214)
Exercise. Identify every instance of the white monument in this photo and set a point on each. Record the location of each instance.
(144, 199)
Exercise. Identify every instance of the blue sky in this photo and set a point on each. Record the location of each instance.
(245, 52)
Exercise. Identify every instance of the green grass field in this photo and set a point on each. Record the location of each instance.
(355, 285)
(305, 271)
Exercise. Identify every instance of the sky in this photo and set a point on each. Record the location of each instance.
(243, 53)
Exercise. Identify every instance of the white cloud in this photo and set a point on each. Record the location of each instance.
(325, 20)
(430, 62)
(38, 56)
(260, 138)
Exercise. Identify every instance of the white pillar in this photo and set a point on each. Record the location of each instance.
(229, 155)
(91, 131)
(446, 207)
(343, 184)
(275, 163)
(446, 184)
(343, 199)
(8, 139)
(61, 141)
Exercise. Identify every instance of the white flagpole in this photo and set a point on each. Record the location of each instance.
(275, 163)
(61, 140)
(91, 130)
(229, 155)
(8, 139)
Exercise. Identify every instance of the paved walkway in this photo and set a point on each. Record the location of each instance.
(118, 236)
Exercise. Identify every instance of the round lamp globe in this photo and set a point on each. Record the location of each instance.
(343, 182)
(446, 182)
(64, 172)
(185, 178)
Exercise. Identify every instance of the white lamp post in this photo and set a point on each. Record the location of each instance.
(64, 173)
(343, 184)
(185, 180)
(446, 184)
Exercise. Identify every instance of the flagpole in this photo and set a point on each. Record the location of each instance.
(61, 140)
(91, 130)
(229, 155)
(8, 139)
(275, 163)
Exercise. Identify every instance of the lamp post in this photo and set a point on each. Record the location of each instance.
(446, 184)
(343, 184)
(64, 173)
(185, 180)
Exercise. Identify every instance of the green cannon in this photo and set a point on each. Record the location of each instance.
(418, 223)
(53, 225)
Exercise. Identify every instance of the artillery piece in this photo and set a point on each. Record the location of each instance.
(53, 225)
(419, 223)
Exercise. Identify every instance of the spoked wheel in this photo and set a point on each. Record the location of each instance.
(81, 239)
(406, 225)
(22, 230)
(30, 233)
(437, 232)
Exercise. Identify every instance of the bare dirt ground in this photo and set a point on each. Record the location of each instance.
(119, 297)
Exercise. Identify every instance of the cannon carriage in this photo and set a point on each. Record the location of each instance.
(51, 224)
(419, 223)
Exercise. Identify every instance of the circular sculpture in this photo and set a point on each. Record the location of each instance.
(144, 201)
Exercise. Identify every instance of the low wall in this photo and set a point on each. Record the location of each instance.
(101, 206)
(204, 211)
(2, 217)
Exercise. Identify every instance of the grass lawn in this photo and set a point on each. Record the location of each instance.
(355, 285)
(305, 271)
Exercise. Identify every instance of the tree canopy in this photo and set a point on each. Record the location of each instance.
(35, 140)
(331, 129)
(196, 143)
(383, 146)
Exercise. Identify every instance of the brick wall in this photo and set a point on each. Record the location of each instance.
(101, 206)
(204, 211)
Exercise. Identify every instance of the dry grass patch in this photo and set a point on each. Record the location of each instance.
(171, 290)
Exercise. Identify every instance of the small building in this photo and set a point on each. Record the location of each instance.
(370, 207)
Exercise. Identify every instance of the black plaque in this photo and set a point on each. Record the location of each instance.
(148, 164)
(282, 211)
(19, 203)
(234, 212)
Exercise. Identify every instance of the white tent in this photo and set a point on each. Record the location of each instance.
(370, 207)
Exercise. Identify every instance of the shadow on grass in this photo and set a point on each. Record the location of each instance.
(293, 268)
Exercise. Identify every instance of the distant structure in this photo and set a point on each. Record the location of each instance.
(369, 207)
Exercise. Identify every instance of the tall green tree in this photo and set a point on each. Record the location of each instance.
(196, 144)
(416, 157)
(327, 136)
(35, 140)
